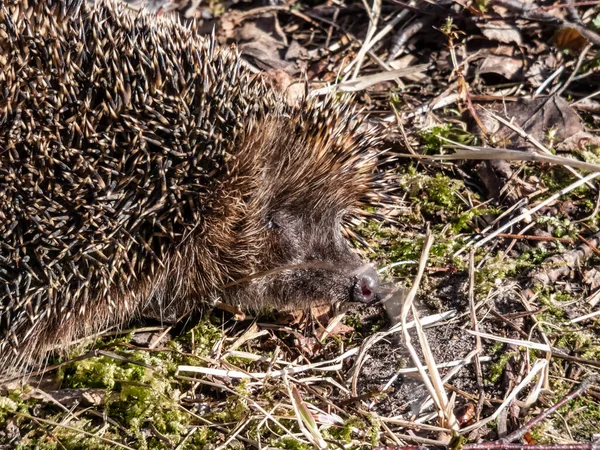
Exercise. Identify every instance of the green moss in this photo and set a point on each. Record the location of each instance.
(497, 368)
(289, 443)
(7, 408)
(204, 335)
(373, 430)
(560, 227)
(239, 361)
(65, 439)
(431, 137)
(501, 267)
(138, 394)
(553, 312)
(439, 198)
(202, 437)
(531, 258)
(354, 429)
(433, 192)
(585, 343)
(234, 410)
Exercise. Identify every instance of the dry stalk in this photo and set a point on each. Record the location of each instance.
(474, 324)
(432, 383)
(369, 44)
(373, 21)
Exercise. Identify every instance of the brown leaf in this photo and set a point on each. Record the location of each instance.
(507, 66)
(569, 39)
(309, 346)
(536, 117)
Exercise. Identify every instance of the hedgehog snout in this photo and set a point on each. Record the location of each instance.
(365, 287)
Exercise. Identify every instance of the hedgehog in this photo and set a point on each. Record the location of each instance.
(145, 174)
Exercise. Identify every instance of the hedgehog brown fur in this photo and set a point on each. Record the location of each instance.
(145, 172)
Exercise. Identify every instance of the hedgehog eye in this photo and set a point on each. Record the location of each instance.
(271, 224)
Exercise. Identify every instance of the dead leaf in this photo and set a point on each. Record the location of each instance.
(569, 39)
(509, 67)
(309, 346)
(540, 118)
(578, 142)
(322, 313)
(502, 32)
(295, 51)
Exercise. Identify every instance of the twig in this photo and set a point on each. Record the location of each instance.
(582, 56)
(518, 434)
(530, 237)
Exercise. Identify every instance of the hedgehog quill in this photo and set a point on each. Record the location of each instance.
(144, 173)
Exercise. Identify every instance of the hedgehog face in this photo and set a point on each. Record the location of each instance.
(306, 260)
(326, 269)
(290, 231)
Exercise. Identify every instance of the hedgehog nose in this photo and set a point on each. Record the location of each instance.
(365, 286)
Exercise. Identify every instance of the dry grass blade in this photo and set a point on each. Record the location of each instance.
(415, 287)
(475, 325)
(586, 317)
(517, 342)
(432, 384)
(469, 152)
(330, 365)
(252, 332)
(449, 375)
(306, 421)
(364, 82)
(441, 398)
(331, 325)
